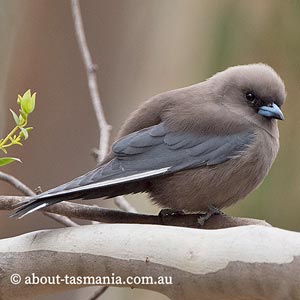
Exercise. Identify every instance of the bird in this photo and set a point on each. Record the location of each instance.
(195, 149)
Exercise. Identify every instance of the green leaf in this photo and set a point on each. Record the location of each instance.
(24, 133)
(33, 101)
(23, 116)
(7, 160)
(16, 118)
(19, 99)
(27, 93)
(28, 102)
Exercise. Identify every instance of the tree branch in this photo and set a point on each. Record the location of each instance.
(248, 262)
(100, 214)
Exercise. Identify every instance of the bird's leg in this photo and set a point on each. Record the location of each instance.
(212, 210)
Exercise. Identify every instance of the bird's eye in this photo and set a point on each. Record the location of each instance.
(250, 97)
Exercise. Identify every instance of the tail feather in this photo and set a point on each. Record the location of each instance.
(45, 200)
(103, 182)
(29, 208)
(36, 203)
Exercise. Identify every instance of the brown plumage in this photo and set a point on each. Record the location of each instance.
(209, 144)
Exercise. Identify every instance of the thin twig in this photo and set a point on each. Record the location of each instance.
(91, 68)
(24, 189)
(123, 204)
(99, 293)
(20, 186)
(61, 219)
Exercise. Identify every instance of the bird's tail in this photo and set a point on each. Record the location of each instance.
(99, 183)
(32, 205)
(46, 199)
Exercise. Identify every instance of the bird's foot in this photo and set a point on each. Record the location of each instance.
(212, 210)
(201, 220)
(170, 212)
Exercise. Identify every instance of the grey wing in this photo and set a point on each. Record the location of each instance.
(157, 151)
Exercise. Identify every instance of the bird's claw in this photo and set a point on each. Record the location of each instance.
(201, 220)
(212, 210)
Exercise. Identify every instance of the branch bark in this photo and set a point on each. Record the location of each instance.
(100, 214)
(248, 262)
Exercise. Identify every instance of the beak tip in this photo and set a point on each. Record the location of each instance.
(273, 112)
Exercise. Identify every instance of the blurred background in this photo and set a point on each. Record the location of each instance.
(142, 48)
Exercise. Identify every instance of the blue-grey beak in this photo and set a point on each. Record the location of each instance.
(272, 111)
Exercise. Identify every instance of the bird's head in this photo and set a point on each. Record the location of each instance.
(253, 91)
